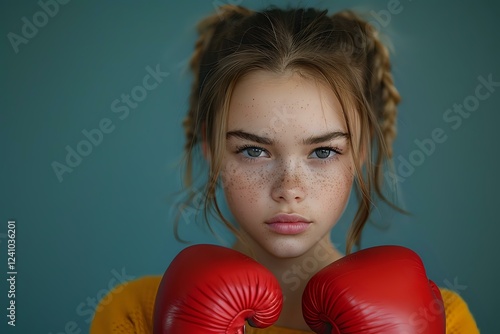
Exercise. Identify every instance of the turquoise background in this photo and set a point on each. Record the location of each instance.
(112, 215)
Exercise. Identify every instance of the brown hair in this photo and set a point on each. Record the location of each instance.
(342, 50)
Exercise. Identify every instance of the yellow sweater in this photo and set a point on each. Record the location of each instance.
(129, 309)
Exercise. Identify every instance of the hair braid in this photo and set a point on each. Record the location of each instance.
(207, 31)
(389, 97)
(380, 86)
(385, 100)
(382, 96)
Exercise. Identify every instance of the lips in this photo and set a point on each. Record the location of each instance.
(288, 224)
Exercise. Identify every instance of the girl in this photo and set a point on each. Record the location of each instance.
(291, 109)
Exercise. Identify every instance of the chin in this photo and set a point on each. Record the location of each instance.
(287, 251)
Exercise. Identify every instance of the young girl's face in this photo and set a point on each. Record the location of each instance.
(287, 170)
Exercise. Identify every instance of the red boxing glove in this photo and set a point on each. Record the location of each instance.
(377, 290)
(212, 289)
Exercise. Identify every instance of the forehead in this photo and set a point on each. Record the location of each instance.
(267, 100)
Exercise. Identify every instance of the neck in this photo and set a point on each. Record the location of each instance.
(293, 275)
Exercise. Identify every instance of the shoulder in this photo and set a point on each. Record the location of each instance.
(458, 316)
(128, 308)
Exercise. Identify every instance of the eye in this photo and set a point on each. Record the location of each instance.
(252, 152)
(324, 153)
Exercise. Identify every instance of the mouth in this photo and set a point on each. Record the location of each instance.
(288, 224)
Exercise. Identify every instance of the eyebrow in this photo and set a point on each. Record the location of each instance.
(249, 136)
(307, 141)
(325, 137)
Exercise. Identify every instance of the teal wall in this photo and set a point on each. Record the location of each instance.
(110, 218)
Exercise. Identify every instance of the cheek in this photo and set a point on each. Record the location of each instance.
(242, 185)
(331, 186)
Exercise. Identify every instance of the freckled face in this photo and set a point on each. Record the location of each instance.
(287, 152)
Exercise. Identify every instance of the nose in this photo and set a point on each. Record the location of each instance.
(289, 183)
